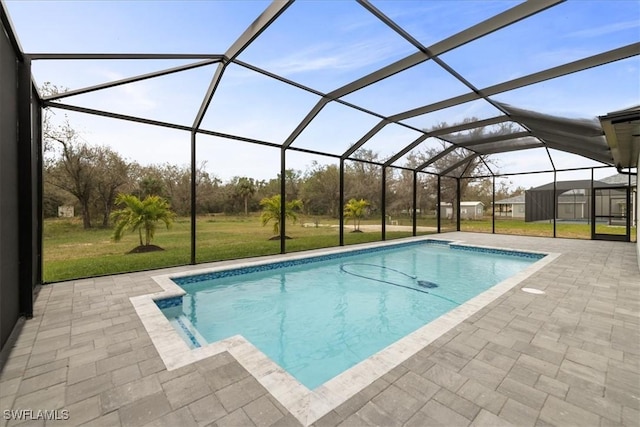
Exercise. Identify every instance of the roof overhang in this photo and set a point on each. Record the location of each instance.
(622, 131)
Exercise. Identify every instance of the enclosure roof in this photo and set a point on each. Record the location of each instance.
(579, 136)
(450, 83)
(571, 185)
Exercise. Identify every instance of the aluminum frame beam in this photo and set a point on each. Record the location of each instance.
(437, 157)
(488, 26)
(514, 148)
(262, 22)
(151, 122)
(111, 115)
(100, 56)
(318, 93)
(472, 143)
(490, 139)
(364, 139)
(498, 175)
(132, 79)
(551, 73)
(390, 23)
(504, 19)
(597, 60)
(215, 81)
(201, 131)
(470, 157)
(5, 19)
(458, 164)
(447, 130)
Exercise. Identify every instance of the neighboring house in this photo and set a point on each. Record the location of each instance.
(513, 207)
(446, 210)
(468, 210)
(573, 200)
(471, 210)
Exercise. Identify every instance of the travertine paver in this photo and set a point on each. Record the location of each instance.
(568, 357)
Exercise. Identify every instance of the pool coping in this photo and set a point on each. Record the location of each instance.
(310, 405)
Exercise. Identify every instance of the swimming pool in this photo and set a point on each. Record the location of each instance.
(318, 319)
(305, 404)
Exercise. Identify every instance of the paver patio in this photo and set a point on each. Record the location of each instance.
(568, 357)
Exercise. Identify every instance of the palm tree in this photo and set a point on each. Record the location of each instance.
(245, 188)
(140, 215)
(271, 211)
(355, 209)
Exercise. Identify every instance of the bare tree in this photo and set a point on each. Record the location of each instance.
(92, 174)
(453, 146)
(111, 175)
(363, 179)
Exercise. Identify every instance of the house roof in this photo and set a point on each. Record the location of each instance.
(473, 203)
(519, 199)
(620, 179)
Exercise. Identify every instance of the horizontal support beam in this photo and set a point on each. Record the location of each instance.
(141, 120)
(110, 115)
(105, 56)
(499, 175)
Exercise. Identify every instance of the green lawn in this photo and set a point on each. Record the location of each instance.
(71, 252)
(545, 229)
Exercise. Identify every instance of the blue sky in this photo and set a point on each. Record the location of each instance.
(324, 45)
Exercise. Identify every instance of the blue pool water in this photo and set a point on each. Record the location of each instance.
(318, 319)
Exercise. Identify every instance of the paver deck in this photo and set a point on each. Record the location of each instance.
(568, 357)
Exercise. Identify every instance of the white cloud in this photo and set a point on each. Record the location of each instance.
(605, 29)
(325, 56)
(136, 95)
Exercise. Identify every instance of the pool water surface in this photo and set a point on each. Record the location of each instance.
(318, 319)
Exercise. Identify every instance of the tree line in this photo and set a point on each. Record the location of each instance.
(91, 177)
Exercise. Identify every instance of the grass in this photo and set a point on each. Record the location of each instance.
(71, 252)
(543, 229)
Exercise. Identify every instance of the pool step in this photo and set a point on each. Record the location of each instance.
(187, 331)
